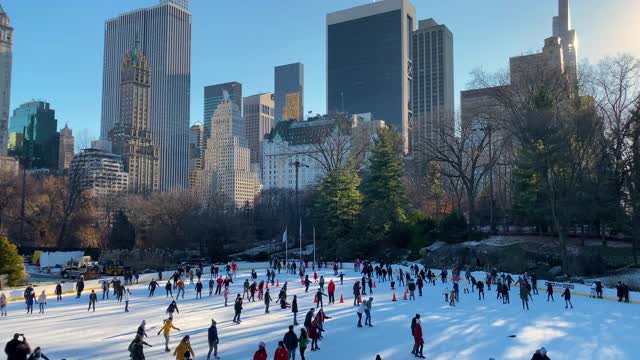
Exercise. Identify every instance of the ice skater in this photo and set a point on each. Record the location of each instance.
(567, 298)
(166, 330)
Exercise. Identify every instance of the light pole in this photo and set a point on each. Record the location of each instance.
(297, 165)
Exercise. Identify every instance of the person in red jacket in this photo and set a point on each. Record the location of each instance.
(261, 353)
(320, 318)
(281, 352)
(314, 335)
(417, 337)
(332, 290)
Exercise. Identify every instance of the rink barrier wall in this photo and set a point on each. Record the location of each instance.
(69, 287)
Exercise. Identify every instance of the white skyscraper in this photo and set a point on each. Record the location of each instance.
(227, 165)
(164, 34)
(6, 55)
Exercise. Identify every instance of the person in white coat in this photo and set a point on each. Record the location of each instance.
(127, 294)
(42, 301)
(593, 290)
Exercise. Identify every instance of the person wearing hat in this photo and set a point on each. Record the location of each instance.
(141, 329)
(213, 340)
(540, 354)
(261, 353)
(37, 354)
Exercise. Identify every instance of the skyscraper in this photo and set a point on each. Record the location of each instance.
(65, 148)
(289, 92)
(164, 34)
(130, 136)
(196, 155)
(213, 95)
(369, 66)
(227, 157)
(432, 93)
(259, 120)
(568, 39)
(33, 126)
(6, 56)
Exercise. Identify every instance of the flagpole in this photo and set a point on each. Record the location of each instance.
(314, 244)
(286, 246)
(300, 236)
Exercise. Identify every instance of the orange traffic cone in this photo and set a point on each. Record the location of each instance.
(267, 285)
(374, 284)
(341, 299)
(277, 283)
(359, 298)
(394, 296)
(405, 294)
(302, 281)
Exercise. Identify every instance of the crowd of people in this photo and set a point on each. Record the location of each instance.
(412, 281)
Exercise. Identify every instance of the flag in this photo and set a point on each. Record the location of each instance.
(284, 235)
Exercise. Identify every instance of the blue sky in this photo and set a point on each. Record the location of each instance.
(58, 46)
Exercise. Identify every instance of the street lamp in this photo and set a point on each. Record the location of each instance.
(297, 165)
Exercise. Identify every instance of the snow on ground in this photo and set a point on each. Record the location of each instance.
(594, 329)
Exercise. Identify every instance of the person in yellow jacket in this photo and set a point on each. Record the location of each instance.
(183, 348)
(166, 329)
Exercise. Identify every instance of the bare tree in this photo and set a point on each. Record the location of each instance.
(9, 192)
(466, 156)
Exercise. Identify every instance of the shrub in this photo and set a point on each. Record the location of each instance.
(11, 263)
(453, 227)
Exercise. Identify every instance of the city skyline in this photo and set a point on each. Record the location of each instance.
(79, 105)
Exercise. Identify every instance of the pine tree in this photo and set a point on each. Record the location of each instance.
(123, 234)
(337, 209)
(11, 264)
(384, 195)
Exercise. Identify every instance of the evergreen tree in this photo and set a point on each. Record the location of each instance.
(11, 263)
(123, 234)
(337, 209)
(384, 193)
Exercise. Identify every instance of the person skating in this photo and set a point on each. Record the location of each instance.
(42, 301)
(308, 319)
(307, 282)
(534, 283)
(413, 328)
(30, 299)
(142, 332)
(356, 293)
(540, 354)
(267, 301)
(319, 295)
(93, 298)
(58, 292)
(152, 287)
(524, 295)
(37, 354)
(314, 335)
(261, 353)
(184, 348)
(418, 340)
(412, 289)
(226, 295)
(290, 341)
(211, 283)
(294, 309)
(245, 293)
(3, 305)
(359, 312)
(105, 289)
(166, 330)
(213, 340)
(17, 349)
(218, 286)
(281, 352)
(452, 298)
(567, 298)
(303, 339)
(331, 289)
(127, 297)
(167, 289)
(367, 312)
(199, 290)
(550, 292)
(237, 306)
(180, 286)
(173, 307)
(136, 348)
(480, 287)
(320, 318)
(419, 285)
(79, 287)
